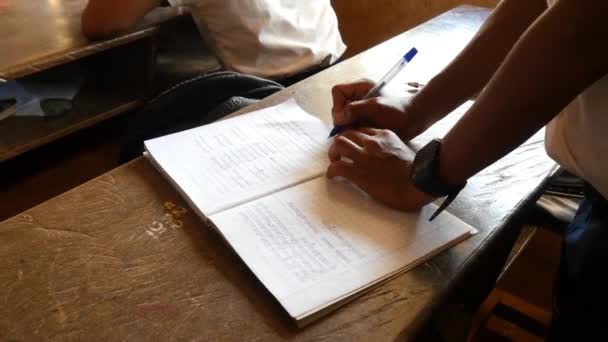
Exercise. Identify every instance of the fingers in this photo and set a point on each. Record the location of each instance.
(364, 111)
(356, 135)
(369, 130)
(344, 169)
(356, 145)
(344, 147)
(343, 94)
(375, 143)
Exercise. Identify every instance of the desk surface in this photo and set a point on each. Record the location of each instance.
(117, 259)
(37, 35)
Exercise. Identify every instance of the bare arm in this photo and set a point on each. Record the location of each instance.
(106, 18)
(465, 76)
(475, 65)
(561, 54)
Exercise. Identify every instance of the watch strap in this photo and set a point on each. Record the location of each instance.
(426, 176)
(444, 204)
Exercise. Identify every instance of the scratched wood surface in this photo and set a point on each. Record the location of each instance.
(122, 257)
(39, 35)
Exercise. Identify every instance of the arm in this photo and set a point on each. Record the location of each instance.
(557, 58)
(106, 18)
(474, 66)
(470, 70)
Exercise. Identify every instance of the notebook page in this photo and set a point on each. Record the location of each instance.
(229, 162)
(319, 242)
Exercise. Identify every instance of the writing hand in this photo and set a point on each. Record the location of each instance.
(379, 163)
(344, 94)
(390, 113)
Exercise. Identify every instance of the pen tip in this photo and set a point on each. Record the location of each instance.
(334, 131)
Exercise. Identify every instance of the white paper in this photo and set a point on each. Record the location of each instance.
(318, 242)
(312, 242)
(230, 162)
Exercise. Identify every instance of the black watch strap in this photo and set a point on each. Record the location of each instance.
(425, 176)
(444, 205)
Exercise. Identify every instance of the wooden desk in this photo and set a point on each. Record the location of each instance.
(117, 258)
(38, 35)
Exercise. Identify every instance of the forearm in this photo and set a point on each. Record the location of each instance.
(556, 59)
(470, 71)
(106, 18)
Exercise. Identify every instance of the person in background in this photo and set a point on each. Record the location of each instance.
(264, 45)
(536, 64)
(274, 39)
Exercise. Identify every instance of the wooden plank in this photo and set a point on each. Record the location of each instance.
(527, 284)
(542, 314)
(22, 134)
(511, 331)
(115, 82)
(37, 35)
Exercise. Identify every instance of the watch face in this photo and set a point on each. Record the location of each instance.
(424, 171)
(425, 159)
(424, 163)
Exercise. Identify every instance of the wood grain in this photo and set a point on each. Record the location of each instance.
(385, 19)
(115, 82)
(22, 134)
(37, 35)
(122, 258)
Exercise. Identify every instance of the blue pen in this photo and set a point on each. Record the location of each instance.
(375, 91)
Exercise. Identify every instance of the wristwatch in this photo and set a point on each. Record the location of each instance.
(425, 176)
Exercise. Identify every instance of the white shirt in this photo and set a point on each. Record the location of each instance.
(268, 38)
(578, 137)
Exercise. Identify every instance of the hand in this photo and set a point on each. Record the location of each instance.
(381, 166)
(343, 94)
(380, 112)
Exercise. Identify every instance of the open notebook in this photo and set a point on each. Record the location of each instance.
(314, 243)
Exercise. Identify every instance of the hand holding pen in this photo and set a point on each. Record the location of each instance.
(375, 91)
